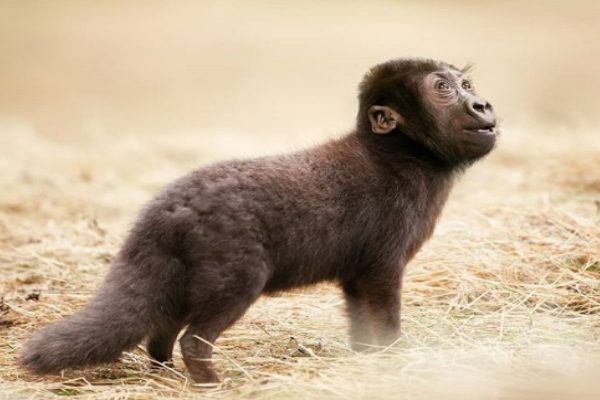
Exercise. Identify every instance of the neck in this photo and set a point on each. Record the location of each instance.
(399, 173)
(398, 151)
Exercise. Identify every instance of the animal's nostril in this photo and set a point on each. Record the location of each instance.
(489, 107)
(479, 107)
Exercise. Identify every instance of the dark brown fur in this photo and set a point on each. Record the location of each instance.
(354, 210)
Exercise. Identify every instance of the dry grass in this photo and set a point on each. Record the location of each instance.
(97, 107)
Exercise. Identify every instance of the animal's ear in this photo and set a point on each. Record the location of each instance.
(383, 119)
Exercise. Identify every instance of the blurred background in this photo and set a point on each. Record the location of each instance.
(238, 72)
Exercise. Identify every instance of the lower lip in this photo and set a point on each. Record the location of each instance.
(485, 132)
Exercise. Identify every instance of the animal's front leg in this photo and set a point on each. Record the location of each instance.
(382, 306)
(373, 304)
(360, 331)
(377, 298)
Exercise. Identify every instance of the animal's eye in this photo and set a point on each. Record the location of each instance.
(442, 86)
(467, 85)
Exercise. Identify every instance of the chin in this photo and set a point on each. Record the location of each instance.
(476, 149)
(472, 146)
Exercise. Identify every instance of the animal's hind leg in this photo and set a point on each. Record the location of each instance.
(222, 299)
(160, 344)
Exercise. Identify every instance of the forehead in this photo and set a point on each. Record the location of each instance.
(447, 72)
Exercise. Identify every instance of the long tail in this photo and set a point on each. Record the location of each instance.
(130, 303)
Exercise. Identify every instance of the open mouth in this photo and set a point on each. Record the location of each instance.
(484, 130)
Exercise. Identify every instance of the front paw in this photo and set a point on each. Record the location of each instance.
(361, 347)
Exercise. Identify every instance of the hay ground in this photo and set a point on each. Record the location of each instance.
(504, 301)
(102, 103)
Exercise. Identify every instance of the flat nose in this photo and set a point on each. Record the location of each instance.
(480, 108)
